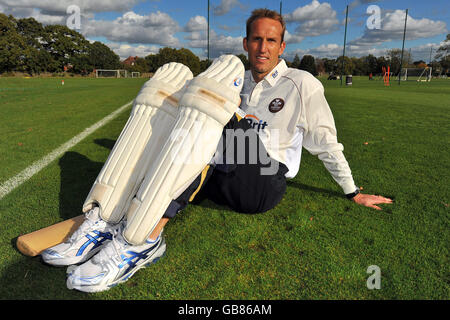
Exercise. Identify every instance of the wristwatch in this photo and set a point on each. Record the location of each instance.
(353, 194)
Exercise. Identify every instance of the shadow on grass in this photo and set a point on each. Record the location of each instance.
(30, 278)
(107, 143)
(78, 173)
(305, 187)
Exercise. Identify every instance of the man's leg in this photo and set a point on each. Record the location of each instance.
(247, 180)
(208, 103)
(148, 127)
(226, 182)
(241, 186)
(158, 229)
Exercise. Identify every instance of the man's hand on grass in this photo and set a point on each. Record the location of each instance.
(370, 200)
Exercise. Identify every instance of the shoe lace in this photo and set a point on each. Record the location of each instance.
(91, 218)
(112, 249)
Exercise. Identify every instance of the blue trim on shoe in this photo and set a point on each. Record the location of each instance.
(97, 240)
(139, 255)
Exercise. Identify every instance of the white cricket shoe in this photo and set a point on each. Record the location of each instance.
(93, 234)
(114, 264)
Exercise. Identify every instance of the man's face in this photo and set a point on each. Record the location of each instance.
(264, 46)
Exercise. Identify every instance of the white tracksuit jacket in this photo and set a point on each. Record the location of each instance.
(289, 111)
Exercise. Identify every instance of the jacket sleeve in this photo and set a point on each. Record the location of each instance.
(320, 138)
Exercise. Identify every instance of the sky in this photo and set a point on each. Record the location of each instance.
(316, 27)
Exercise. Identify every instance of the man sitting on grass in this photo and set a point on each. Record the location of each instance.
(282, 110)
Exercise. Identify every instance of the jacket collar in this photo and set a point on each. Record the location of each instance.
(276, 73)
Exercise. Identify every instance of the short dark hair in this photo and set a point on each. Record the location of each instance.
(266, 13)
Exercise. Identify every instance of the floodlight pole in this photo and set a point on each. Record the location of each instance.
(345, 40)
(281, 6)
(208, 30)
(403, 47)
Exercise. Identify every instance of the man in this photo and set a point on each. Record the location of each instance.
(313, 128)
(282, 110)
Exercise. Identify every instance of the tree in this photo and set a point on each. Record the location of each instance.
(445, 64)
(330, 65)
(38, 59)
(166, 55)
(152, 62)
(372, 64)
(348, 66)
(360, 66)
(65, 45)
(204, 64)
(101, 56)
(244, 60)
(296, 62)
(443, 53)
(308, 64)
(81, 64)
(140, 65)
(395, 56)
(320, 67)
(13, 49)
(383, 62)
(31, 31)
(444, 50)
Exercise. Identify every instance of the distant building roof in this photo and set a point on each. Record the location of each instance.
(130, 60)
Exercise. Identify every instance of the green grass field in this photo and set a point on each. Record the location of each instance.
(314, 245)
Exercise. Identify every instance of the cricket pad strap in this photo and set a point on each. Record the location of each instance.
(147, 129)
(206, 106)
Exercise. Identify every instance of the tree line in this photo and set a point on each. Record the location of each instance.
(28, 46)
(372, 65)
(342, 65)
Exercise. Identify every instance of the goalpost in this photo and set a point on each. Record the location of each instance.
(118, 73)
(135, 74)
(416, 74)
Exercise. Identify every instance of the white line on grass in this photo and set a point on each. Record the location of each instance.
(24, 175)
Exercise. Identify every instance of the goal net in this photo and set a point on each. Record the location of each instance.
(415, 74)
(103, 73)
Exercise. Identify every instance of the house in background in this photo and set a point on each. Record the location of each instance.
(130, 61)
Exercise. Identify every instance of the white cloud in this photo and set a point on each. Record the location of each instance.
(314, 19)
(44, 18)
(125, 50)
(197, 23)
(218, 44)
(392, 25)
(155, 28)
(357, 3)
(292, 38)
(59, 7)
(226, 44)
(225, 6)
(196, 34)
(331, 50)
